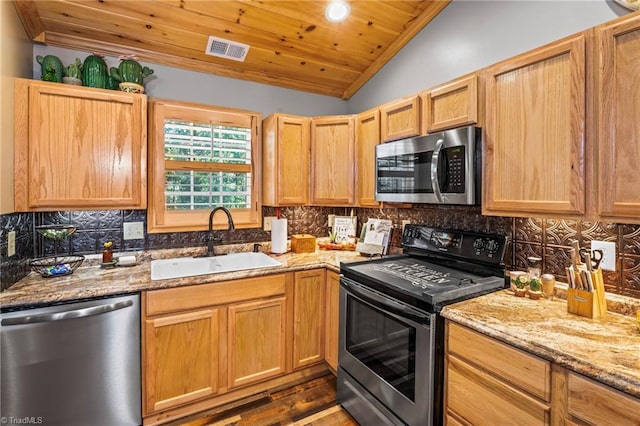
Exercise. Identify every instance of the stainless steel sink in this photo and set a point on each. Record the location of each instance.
(163, 269)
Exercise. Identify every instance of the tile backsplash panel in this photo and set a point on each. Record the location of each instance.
(14, 268)
(551, 239)
(546, 238)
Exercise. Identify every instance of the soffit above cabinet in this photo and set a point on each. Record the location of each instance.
(291, 44)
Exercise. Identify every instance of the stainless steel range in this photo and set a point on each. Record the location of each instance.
(391, 336)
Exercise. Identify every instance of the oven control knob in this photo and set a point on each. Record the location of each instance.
(492, 246)
(478, 244)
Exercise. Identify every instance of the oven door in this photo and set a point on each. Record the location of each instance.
(386, 350)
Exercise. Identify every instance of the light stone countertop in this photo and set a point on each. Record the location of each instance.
(605, 349)
(93, 281)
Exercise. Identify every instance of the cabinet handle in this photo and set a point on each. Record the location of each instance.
(59, 316)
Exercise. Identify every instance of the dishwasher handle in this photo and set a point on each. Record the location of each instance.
(59, 316)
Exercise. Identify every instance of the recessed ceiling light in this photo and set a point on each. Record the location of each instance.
(337, 11)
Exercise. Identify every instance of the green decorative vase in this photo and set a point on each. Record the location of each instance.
(94, 72)
(52, 68)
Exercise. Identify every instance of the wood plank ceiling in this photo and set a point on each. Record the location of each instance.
(291, 43)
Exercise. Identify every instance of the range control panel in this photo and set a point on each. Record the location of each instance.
(468, 245)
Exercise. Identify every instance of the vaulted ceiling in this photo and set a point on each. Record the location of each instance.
(291, 44)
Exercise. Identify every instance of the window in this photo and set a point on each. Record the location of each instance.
(202, 157)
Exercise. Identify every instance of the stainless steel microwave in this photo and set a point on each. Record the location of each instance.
(440, 168)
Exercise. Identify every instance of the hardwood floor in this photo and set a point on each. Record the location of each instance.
(311, 403)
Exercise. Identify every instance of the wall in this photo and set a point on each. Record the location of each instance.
(190, 86)
(470, 35)
(15, 61)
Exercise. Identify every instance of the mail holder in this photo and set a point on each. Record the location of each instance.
(590, 304)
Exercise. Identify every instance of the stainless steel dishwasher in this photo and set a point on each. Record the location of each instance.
(72, 364)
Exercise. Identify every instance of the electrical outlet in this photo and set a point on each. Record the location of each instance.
(405, 223)
(133, 230)
(330, 220)
(11, 243)
(609, 254)
(267, 223)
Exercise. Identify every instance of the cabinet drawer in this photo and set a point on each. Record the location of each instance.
(519, 368)
(195, 296)
(479, 398)
(595, 403)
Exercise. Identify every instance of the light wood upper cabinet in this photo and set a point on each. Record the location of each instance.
(535, 132)
(332, 320)
(285, 160)
(450, 105)
(308, 317)
(181, 362)
(400, 119)
(332, 161)
(79, 147)
(367, 137)
(256, 341)
(617, 103)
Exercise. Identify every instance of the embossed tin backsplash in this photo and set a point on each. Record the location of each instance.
(550, 239)
(545, 238)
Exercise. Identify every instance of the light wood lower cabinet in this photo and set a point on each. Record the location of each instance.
(205, 340)
(308, 317)
(491, 382)
(210, 344)
(256, 341)
(181, 358)
(332, 321)
(593, 403)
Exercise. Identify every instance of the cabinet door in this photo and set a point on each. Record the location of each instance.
(535, 119)
(598, 404)
(367, 137)
(181, 358)
(332, 161)
(308, 317)
(285, 159)
(256, 341)
(618, 107)
(332, 321)
(451, 105)
(79, 148)
(400, 119)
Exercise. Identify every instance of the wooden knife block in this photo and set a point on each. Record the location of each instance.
(588, 304)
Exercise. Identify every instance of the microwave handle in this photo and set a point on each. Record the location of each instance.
(435, 184)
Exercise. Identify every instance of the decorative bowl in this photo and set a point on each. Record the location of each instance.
(56, 266)
(131, 87)
(56, 232)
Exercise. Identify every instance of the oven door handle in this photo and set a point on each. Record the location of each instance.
(435, 183)
(384, 302)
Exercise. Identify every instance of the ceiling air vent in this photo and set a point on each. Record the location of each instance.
(227, 49)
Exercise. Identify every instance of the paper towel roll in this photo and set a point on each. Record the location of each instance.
(279, 236)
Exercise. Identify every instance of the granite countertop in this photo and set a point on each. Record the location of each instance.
(94, 281)
(605, 349)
